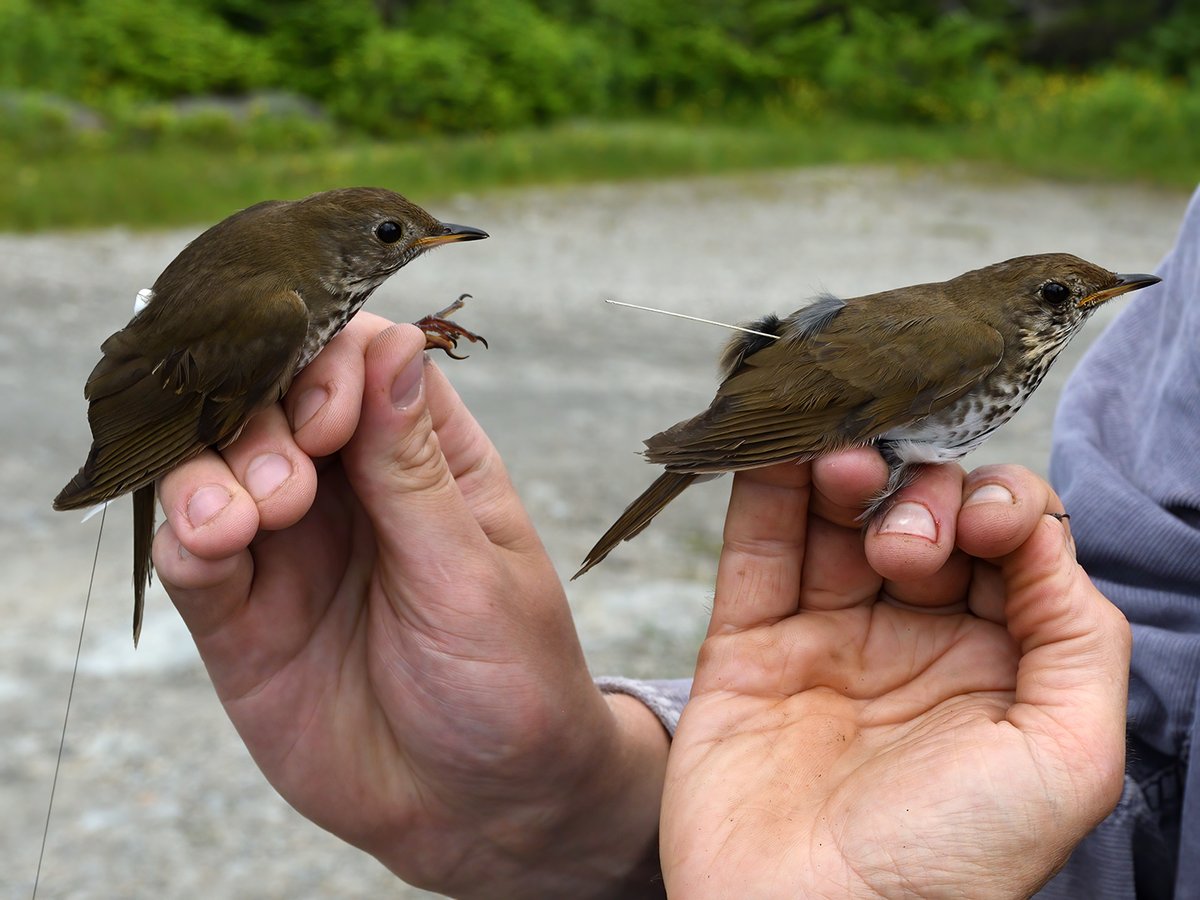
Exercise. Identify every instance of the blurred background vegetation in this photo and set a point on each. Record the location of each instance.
(148, 112)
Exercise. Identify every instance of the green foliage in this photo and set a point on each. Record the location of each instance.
(1115, 122)
(398, 81)
(540, 69)
(36, 50)
(183, 184)
(164, 49)
(1077, 35)
(680, 55)
(257, 95)
(398, 67)
(1172, 46)
(473, 66)
(305, 39)
(887, 66)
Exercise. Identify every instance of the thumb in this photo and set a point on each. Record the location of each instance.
(398, 468)
(1073, 677)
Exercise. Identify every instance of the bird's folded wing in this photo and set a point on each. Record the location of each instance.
(797, 399)
(150, 411)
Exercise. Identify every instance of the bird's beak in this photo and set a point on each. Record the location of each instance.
(1125, 284)
(451, 234)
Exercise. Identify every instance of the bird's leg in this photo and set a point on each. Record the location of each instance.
(442, 334)
(900, 475)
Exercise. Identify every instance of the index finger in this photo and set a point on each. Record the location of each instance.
(325, 401)
(762, 558)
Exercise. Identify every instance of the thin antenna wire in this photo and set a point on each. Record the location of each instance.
(62, 741)
(677, 315)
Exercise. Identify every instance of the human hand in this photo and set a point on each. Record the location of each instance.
(932, 713)
(391, 641)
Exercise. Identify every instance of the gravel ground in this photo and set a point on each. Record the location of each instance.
(157, 797)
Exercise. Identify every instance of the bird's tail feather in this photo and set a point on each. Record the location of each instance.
(143, 539)
(638, 515)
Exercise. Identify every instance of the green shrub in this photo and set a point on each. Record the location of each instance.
(1172, 47)
(891, 67)
(36, 50)
(304, 39)
(181, 73)
(472, 66)
(1132, 122)
(676, 55)
(400, 83)
(164, 49)
(549, 70)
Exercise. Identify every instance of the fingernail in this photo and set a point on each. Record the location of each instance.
(266, 474)
(990, 493)
(306, 407)
(909, 518)
(407, 386)
(206, 503)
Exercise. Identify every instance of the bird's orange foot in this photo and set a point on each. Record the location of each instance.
(442, 334)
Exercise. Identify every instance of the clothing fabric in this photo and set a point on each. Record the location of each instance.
(1126, 462)
(665, 698)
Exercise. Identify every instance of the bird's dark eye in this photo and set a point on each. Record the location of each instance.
(389, 232)
(1055, 293)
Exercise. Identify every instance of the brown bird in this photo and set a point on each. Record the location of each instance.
(229, 323)
(925, 373)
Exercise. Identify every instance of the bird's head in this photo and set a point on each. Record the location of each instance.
(1045, 298)
(364, 235)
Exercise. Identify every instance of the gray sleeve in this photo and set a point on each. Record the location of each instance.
(1125, 464)
(664, 698)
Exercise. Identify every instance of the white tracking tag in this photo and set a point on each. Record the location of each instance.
(142, 300)
(95, 510)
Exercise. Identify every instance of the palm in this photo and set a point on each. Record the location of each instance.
(359, 659)
(842, 739)
(856, 747)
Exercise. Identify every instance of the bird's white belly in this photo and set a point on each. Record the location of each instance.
(954, 432)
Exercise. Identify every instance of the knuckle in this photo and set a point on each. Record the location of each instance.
(418, 464)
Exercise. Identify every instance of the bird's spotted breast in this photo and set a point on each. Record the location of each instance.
(324, 328)
(960, 428)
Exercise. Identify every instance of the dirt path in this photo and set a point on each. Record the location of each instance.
(157, 796)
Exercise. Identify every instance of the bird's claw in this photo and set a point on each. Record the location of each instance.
(442, 334)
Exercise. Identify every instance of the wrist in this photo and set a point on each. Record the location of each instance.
(631, 795)
(574, 813)
(594, 834)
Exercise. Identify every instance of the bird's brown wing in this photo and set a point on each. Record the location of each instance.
(800, 397)
(153, 407)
